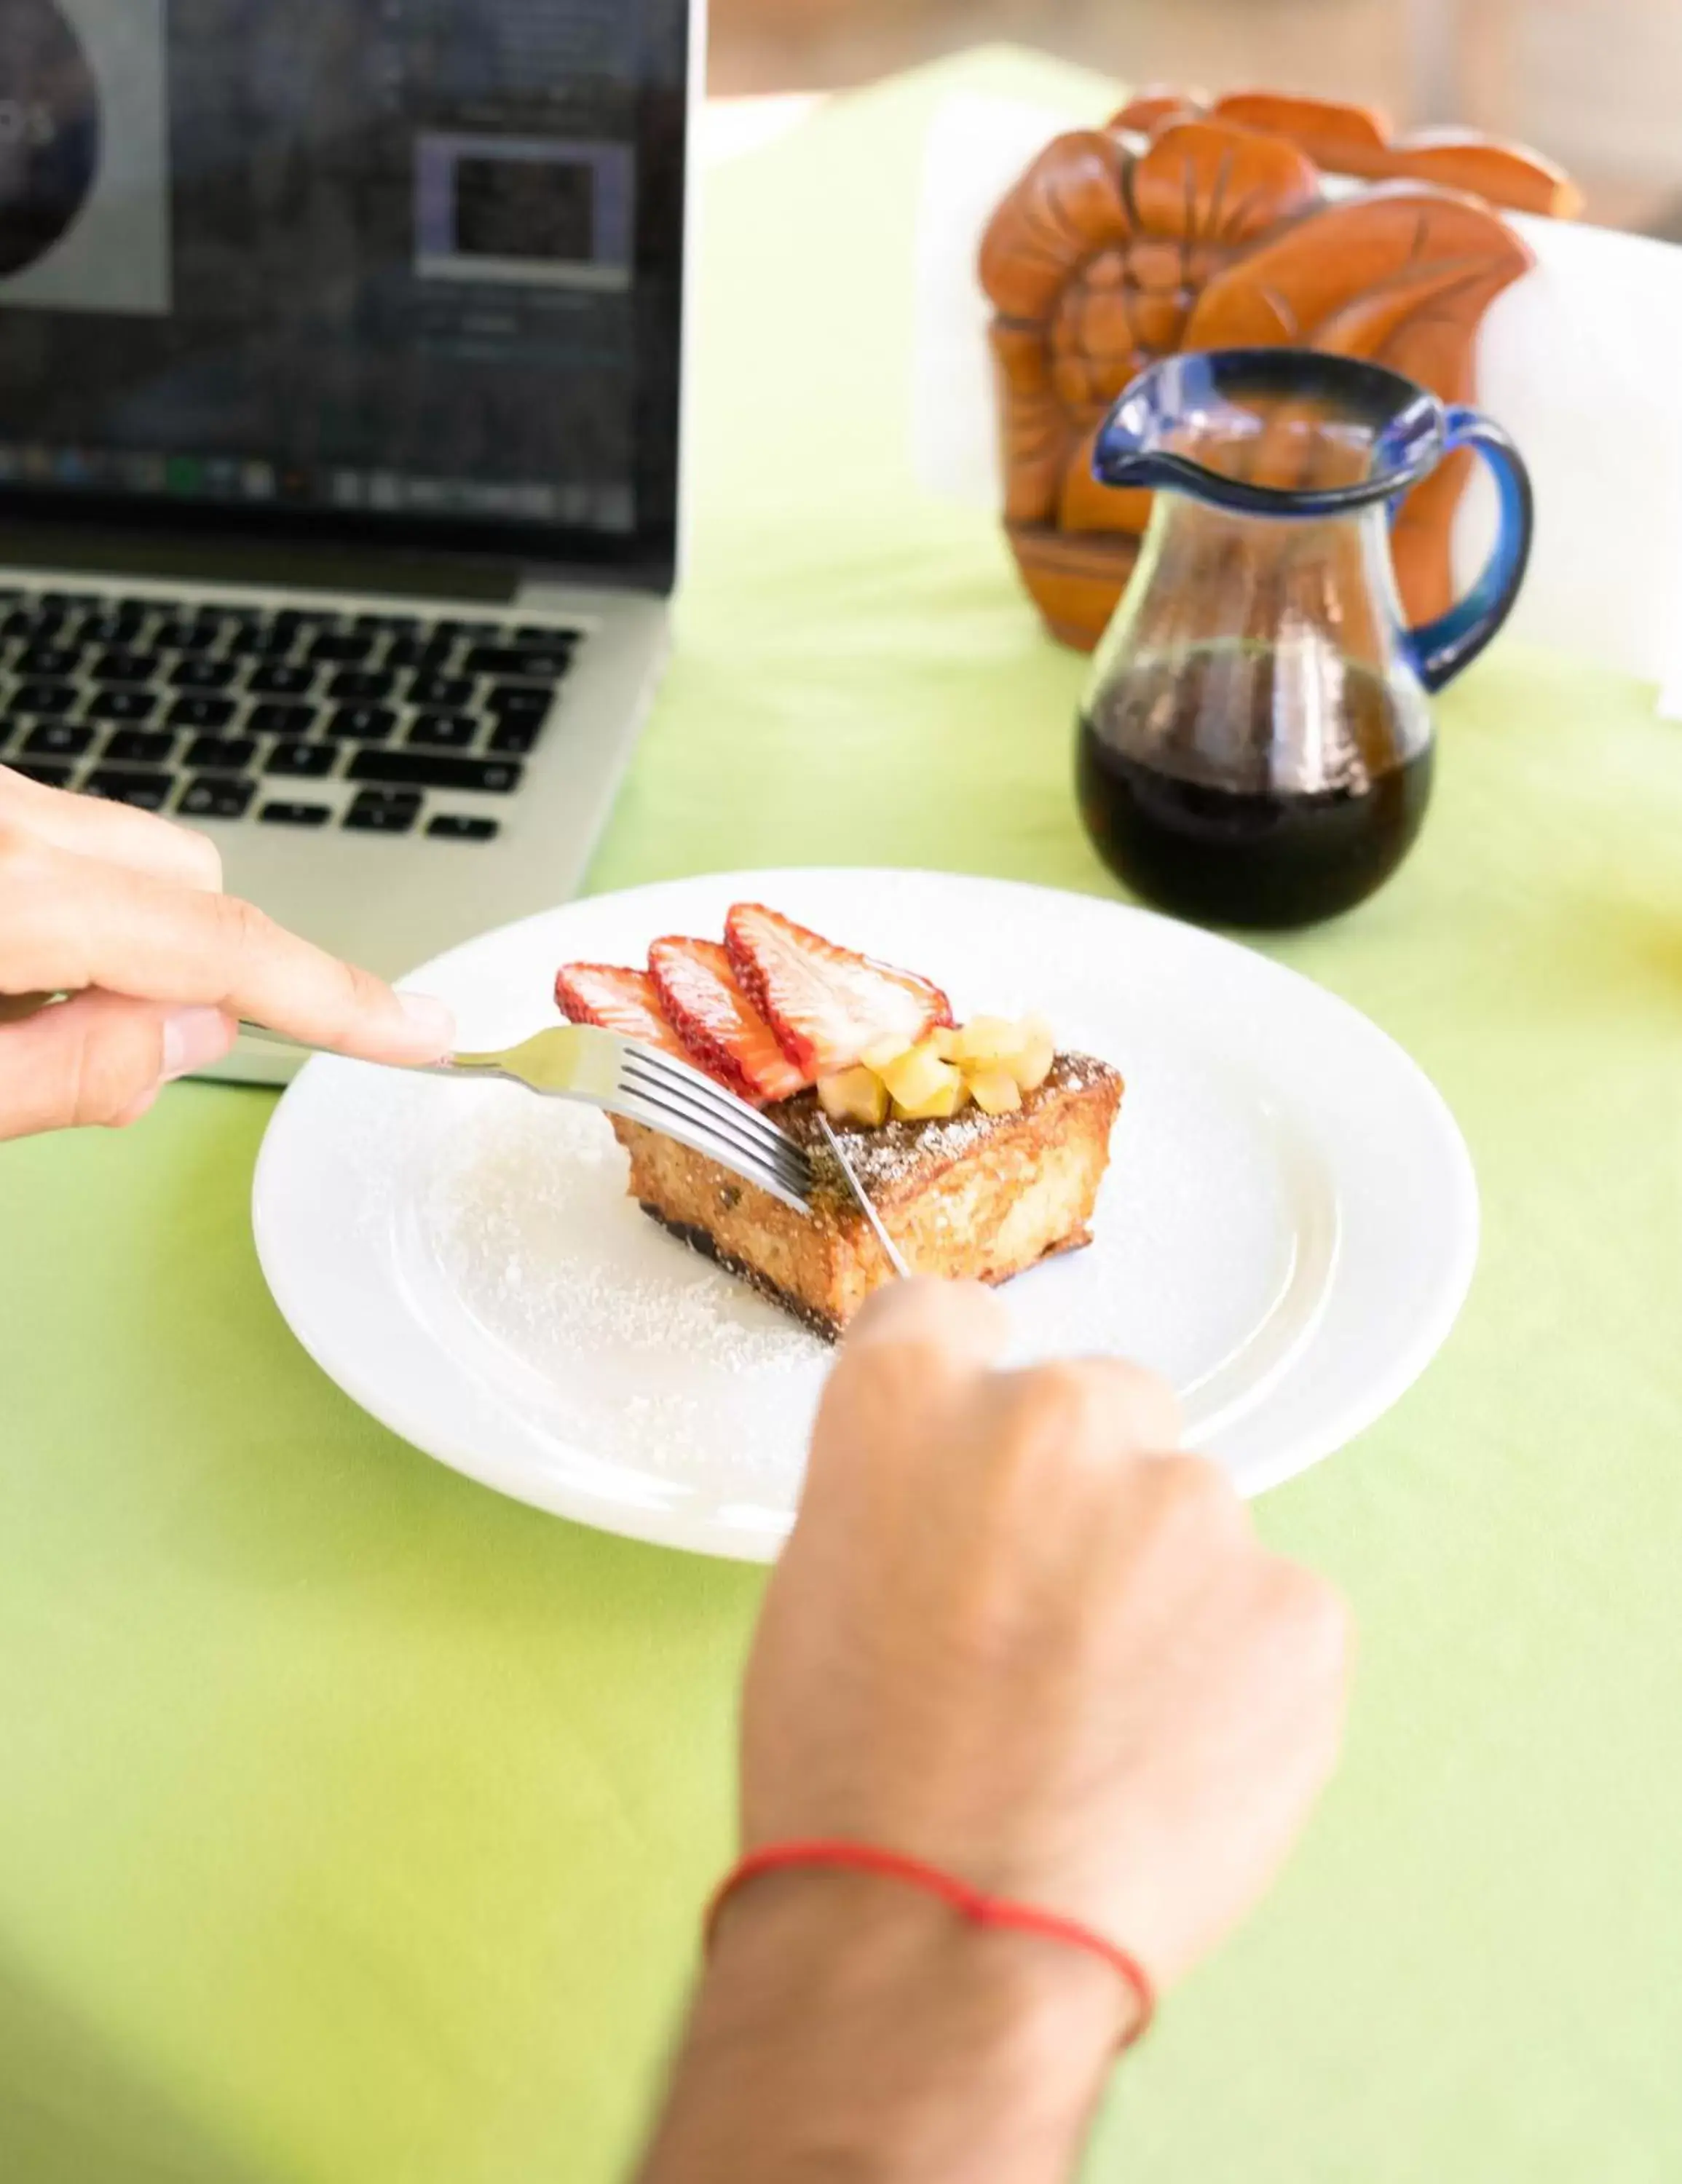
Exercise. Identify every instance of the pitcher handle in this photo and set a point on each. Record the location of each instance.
(1439, 649)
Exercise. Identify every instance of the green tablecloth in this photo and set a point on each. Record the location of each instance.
(353, 1821)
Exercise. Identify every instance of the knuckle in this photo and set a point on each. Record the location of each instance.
(20, 851)
(1101, 1407)
(1193, 1490)
(201, 857)
(117, 1057)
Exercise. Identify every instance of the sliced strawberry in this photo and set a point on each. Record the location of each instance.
(723, 1031)
(826, 1004)
(624, 1001)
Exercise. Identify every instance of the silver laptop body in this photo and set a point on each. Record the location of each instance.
(340, 389)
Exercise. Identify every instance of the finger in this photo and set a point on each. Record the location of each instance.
(91, 827)
(74, 922)
(99, 1058)
(962, 1321)
(912, 1346)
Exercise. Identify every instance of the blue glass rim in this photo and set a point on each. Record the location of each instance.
(1408, 424)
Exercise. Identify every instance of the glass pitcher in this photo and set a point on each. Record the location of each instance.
(1256, 739)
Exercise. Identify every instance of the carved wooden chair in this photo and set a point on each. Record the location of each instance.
(1175, 227)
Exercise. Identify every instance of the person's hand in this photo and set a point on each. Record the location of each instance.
(1016, 1635)
(125, 913)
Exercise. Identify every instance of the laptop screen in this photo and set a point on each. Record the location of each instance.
(403, 270)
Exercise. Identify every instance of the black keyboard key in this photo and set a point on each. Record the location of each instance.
(59, 739)
(363, 685)
(201, 712)
(383, 811)
(534, 665)
(273, 680)
(43, 698)
(47, 659)
(342, 645)
(210, 798)
(204, 674)
(134, 604)
(65, 602)
(137, 747)
(482, 633)
(148, 791)
(227, 753)
(261, 640)
(295, 815)
(419, 651)
(182, 636)
(121, 705)
(546, 640)
(119, 629)
(444, 731)
(419, 770)
(311, 760)
(277, 720)
(368, 724)
(123, 667)
(297, 620)
(398, 624)
(518, 701)
(515, 735)
(32, 621)
(427, 688)
(457, 827)
(49, 776)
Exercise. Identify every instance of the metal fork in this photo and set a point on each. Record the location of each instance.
(891, 1249)
(621, 1076)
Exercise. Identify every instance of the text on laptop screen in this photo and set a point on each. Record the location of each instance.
(409, 264)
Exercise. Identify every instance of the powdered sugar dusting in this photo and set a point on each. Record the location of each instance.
(646, 1352)
(897, 1152)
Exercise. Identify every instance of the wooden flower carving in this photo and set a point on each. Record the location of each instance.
(1102, 259)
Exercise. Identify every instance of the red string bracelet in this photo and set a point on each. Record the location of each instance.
(970, 1903)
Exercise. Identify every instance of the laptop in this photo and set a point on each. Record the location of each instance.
(340, 378)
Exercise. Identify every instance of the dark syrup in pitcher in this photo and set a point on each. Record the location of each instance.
(1261, 856)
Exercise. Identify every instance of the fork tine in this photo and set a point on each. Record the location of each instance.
(717, 1109)
(678, 1078)
(638, 1107)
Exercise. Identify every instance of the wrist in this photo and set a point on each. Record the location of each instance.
(848, 1936)
(878, 2028)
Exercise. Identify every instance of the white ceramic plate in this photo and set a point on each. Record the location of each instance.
(1288, 1229)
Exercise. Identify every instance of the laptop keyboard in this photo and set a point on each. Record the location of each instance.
(208, 711)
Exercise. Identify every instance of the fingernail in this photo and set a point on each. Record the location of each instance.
(432, 1022)
(191, 1038)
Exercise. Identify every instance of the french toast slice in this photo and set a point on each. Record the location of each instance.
(973, 1195)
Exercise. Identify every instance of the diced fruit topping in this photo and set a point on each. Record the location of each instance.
(986, 1040)
(945, 1098)
(827, 1007)
(856, 1095)
(722, 1030)
(1033, 1064)
(615, 1000)
(995, 1091)
(919, 1076)
(988, 1060)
